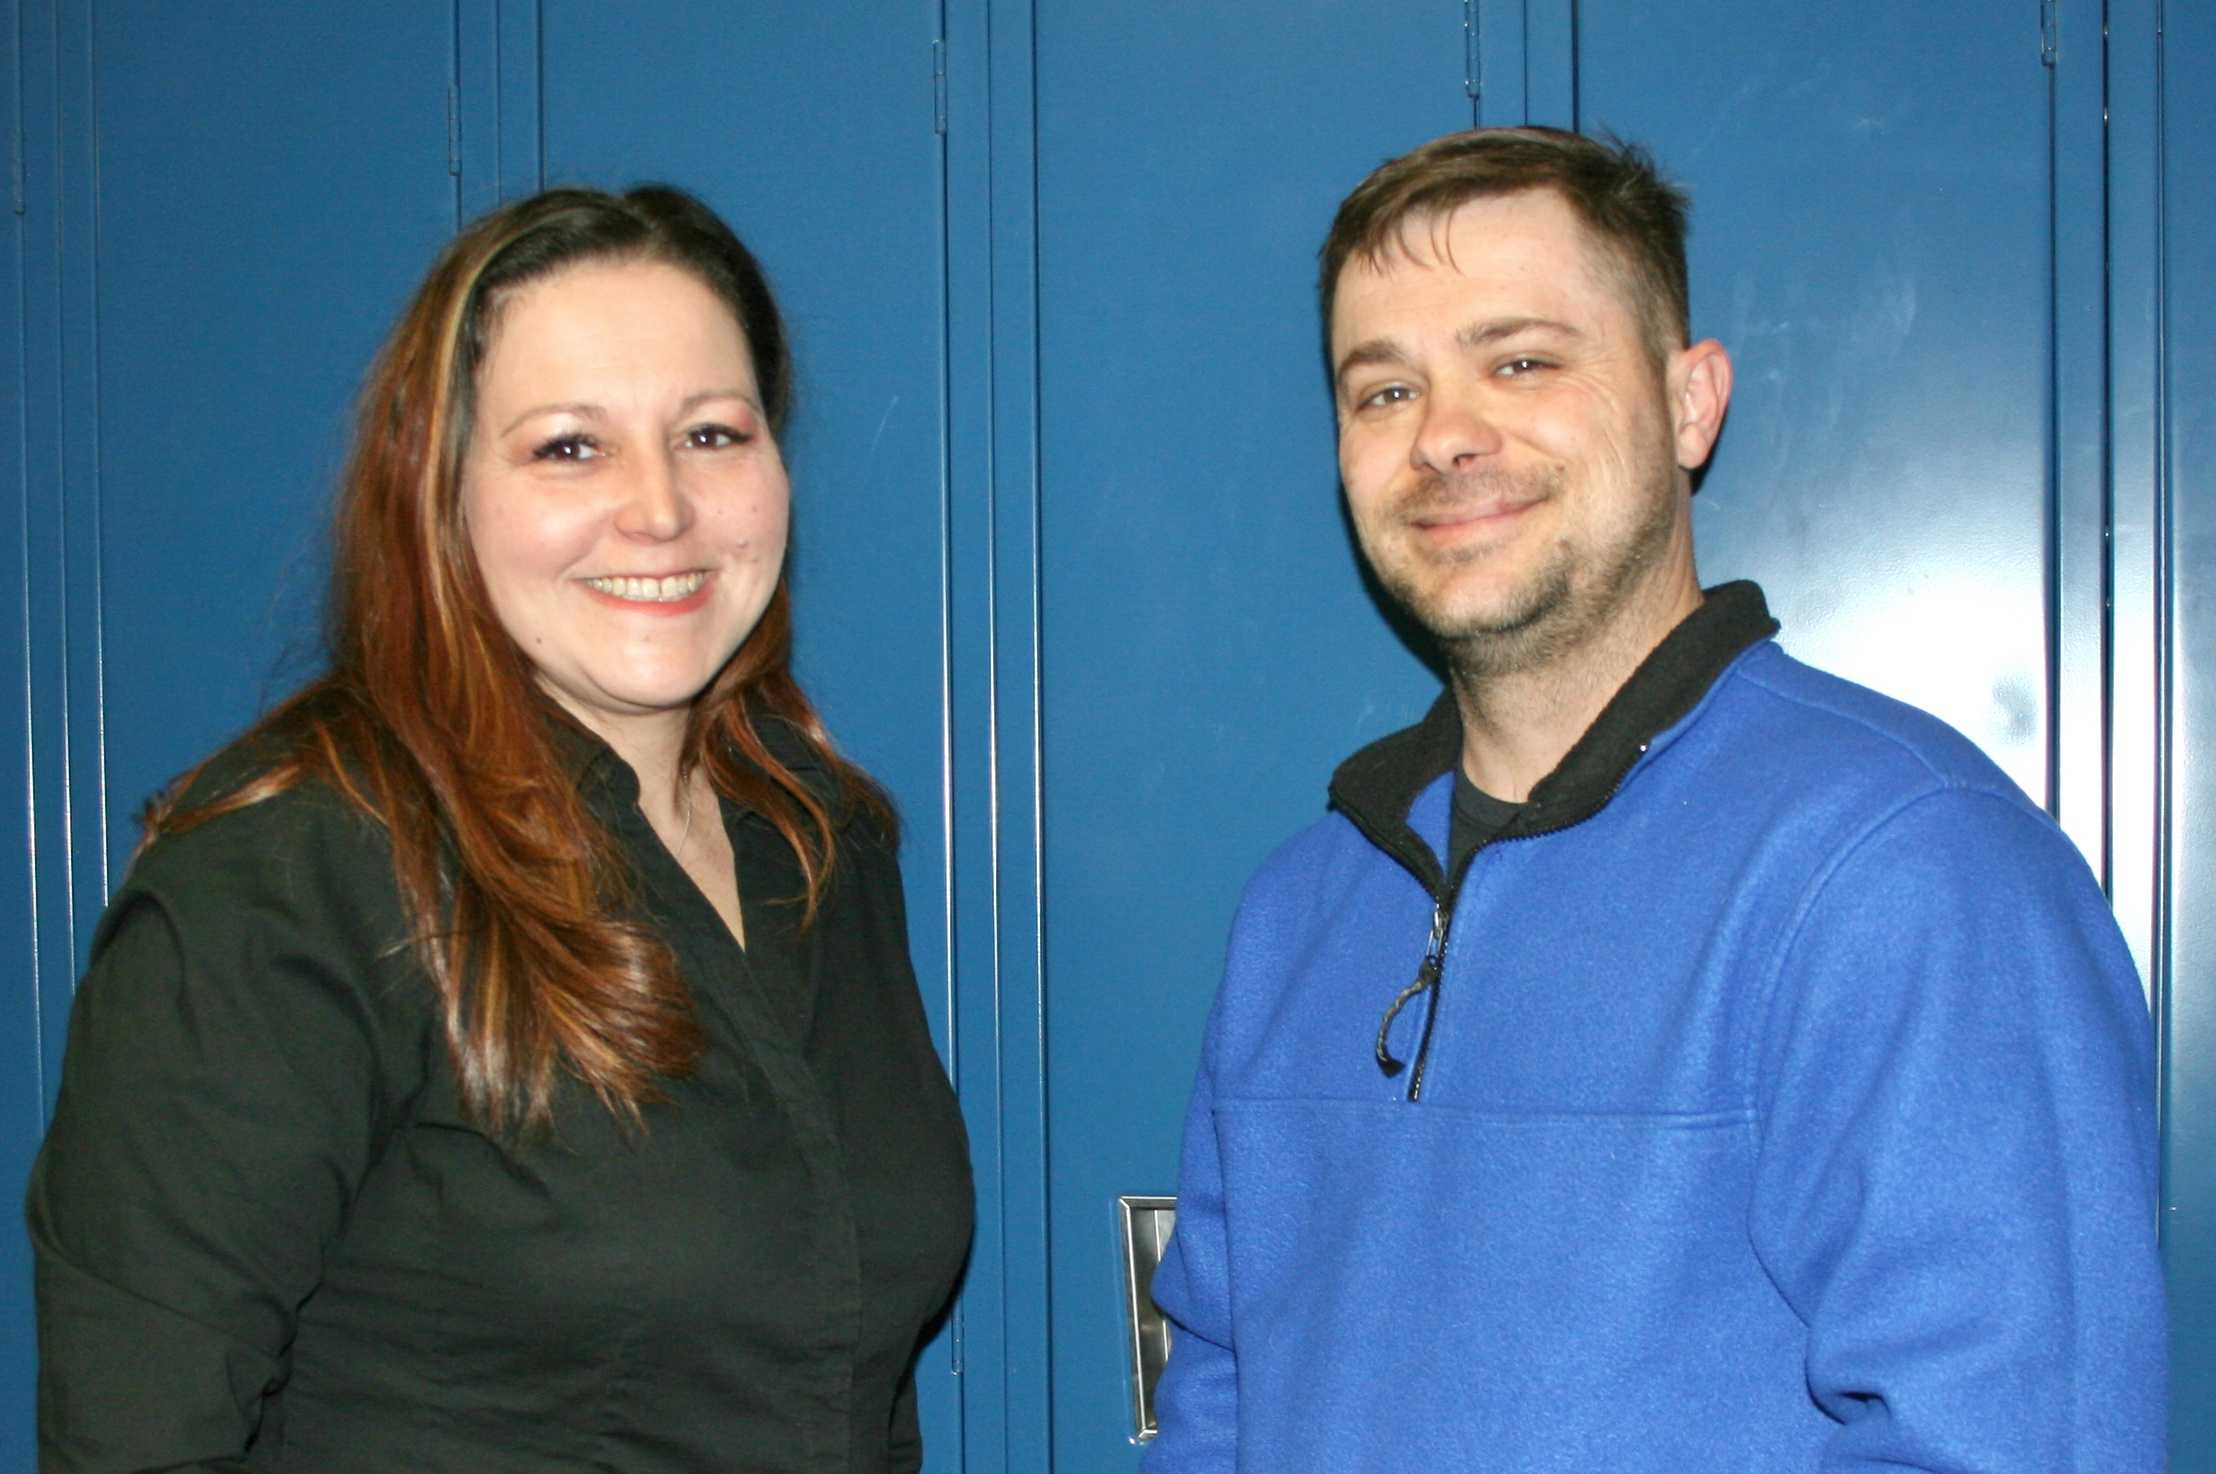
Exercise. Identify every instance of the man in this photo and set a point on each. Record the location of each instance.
(1664, 1056)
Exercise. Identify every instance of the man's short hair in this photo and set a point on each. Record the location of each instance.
(1628, 209)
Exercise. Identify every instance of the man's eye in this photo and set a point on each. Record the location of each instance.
(568, 448)
(1390, 394)
(1516, 368)
(715, 437)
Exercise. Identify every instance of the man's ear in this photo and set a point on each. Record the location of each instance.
(1700, 391)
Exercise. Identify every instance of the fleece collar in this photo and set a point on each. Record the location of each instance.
(1377, 786)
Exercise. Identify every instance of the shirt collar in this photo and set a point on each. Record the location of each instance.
(1376, 787)
(598, 772)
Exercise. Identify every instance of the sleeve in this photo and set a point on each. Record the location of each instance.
(1956, 1180)
(216, 1113)
(1196, 1403)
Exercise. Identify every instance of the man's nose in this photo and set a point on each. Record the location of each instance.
(1455, 434)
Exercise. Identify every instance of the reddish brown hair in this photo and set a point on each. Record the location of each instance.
(430, 718)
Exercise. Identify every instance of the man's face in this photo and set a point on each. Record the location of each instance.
(1513, 455)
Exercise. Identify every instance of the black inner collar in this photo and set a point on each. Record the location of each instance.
(1376, 787)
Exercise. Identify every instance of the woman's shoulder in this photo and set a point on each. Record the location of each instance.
(217, 817)
(303, 855)
(275, 923)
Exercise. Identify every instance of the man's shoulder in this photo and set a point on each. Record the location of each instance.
(1778, 710)
(1328, 856)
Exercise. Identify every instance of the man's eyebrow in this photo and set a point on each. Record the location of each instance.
(1476, 335)
(1367, 355)
(1485, 334)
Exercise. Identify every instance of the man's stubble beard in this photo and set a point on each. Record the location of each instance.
(1557, 610)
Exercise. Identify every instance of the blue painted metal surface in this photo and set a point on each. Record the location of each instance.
(1071, 575)
(968, 903)
(55, 156)
(992, 916)
(2188, 451)
(2139, 651)
(22, 1100)
(2078, 510)
(249, 259)
(1555, 32)
(993, 507)
(496, 83)
(1012, 655)
(1209, 650)
(1870, 220)
(68, 853)
(200, 291)
(815, 138)
(815, 135)
(1878, 237)
(1502, 98)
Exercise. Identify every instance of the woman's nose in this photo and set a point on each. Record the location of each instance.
(655, 504)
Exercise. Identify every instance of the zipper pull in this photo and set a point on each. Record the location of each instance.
(1427, 975)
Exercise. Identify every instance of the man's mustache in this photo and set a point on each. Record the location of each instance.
(1441, 494)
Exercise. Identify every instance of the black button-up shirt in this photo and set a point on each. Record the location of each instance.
(268, 1237)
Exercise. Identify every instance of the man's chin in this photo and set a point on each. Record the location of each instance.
(1500, 634)
(1461, 617)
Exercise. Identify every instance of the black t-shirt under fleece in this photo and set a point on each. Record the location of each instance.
(1478, 817)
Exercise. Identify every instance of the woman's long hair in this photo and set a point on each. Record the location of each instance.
(431, 720)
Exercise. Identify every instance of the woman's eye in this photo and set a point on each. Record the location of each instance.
(714, 437)
(1516, 368)
(568, 448)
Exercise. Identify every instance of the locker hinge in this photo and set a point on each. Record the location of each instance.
(2046, 30)
(1469, 49)
(454, 129)
(938, 86)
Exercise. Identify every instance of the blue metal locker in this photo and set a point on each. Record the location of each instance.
(2186, 448)
(1071, 571)
(213, 244)
(819, 138)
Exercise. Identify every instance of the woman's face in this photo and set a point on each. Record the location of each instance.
(624, 497)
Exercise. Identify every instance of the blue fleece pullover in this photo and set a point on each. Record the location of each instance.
(1793, 1110)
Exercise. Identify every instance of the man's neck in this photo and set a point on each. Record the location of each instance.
(1518, 725)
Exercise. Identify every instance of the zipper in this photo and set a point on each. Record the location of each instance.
(1433, 967)
(1427, 978)
(1437, 962)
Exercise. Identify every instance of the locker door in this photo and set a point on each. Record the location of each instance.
(1072, 574)
(21, 1095)
(813, 129)
(2187, 429)
(1871, 239)
(249, 257)
(1208, 648)
(210, 245)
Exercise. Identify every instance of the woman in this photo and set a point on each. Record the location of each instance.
(506, 1056)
